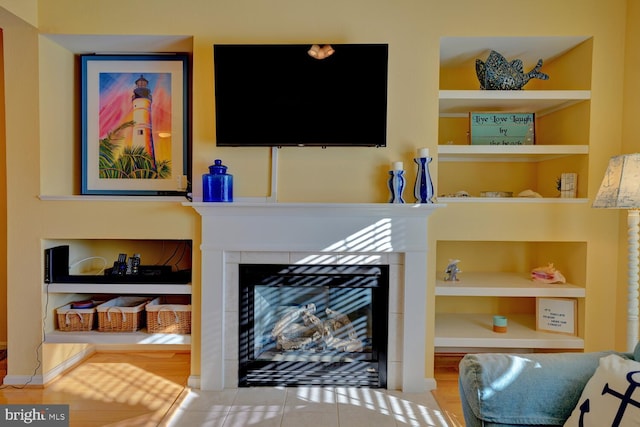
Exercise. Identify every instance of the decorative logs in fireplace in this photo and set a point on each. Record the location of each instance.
(291, 335)
(313, 325)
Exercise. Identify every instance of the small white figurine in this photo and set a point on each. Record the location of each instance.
(452, 270)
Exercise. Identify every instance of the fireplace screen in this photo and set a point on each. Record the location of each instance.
(313, 325)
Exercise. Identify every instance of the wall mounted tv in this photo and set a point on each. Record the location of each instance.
(279, 95)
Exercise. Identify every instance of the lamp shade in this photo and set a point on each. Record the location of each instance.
(620, 188)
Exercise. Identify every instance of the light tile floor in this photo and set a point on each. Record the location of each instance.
(305, 406)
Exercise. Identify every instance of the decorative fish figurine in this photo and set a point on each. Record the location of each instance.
(496, 73)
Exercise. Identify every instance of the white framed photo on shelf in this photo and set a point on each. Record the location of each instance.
(557, 315)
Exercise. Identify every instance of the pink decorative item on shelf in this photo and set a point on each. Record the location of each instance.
(547, 274)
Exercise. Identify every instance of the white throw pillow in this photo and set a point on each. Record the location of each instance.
(611, 396)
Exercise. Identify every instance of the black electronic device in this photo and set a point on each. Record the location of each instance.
(119, 266)
(56, 264)
(56, 270)
(280, 95)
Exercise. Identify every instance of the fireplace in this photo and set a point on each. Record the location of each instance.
(373, 234)
(304, 325)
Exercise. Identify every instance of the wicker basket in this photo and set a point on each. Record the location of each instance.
(75, 319)
(122, 314)
(168, 318)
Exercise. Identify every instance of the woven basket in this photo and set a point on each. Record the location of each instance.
(168, 318)
(75, 319)
(122, 314)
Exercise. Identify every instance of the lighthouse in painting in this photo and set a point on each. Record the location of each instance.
(142, 135)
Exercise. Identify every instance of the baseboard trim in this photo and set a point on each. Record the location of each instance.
(43, 379)
(465, 350)
(194, 381)
(20, 381)
(68, 364)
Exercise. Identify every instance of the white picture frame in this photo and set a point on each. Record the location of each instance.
(558, 315)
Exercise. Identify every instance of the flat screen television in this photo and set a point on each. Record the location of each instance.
(279, 95)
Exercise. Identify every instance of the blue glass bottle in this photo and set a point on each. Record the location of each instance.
(396, 185)
(423, 189)
(217, 185)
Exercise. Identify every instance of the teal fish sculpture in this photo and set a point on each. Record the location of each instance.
(496, 73)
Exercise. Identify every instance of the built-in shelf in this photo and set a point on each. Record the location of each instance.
(464, 320)
(457, 330)
(507, 153)
(489, 284)
(105, 198)
(120, 288)
(510, 154)
(447, 200)
(458, 103)
(95, 337)
(87, 281)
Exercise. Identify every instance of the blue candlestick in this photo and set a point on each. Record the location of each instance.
(423, 189)
(396, 186)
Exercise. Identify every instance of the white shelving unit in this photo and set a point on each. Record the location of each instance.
(507, 153)
(120, 288)
(476, 330)
(121, 338)
(458, 103)
(137, 337)
(532, 200)
(483, 284)
(108, 338)
(58, 294)
(165, 218)
(469, 167)
(455, 330)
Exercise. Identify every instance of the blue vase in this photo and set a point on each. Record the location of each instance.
(396, 186)
(423, 189)
(217, 185)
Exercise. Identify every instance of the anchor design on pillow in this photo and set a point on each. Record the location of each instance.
(625, 400)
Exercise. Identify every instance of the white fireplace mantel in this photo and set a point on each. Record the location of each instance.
(328, 233)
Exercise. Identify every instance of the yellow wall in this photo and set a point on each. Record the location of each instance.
(26, 10)
(22, 151)
(630, 143)
(3, 212)
(42, 123)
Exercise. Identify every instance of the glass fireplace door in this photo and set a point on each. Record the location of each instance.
(313, 325)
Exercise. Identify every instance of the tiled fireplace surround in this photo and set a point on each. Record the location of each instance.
(314, 233)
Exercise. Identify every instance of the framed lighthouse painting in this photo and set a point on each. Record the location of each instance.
(135, 124)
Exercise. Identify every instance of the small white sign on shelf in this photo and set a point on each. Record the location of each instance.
(568, 185)
(556, 315)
